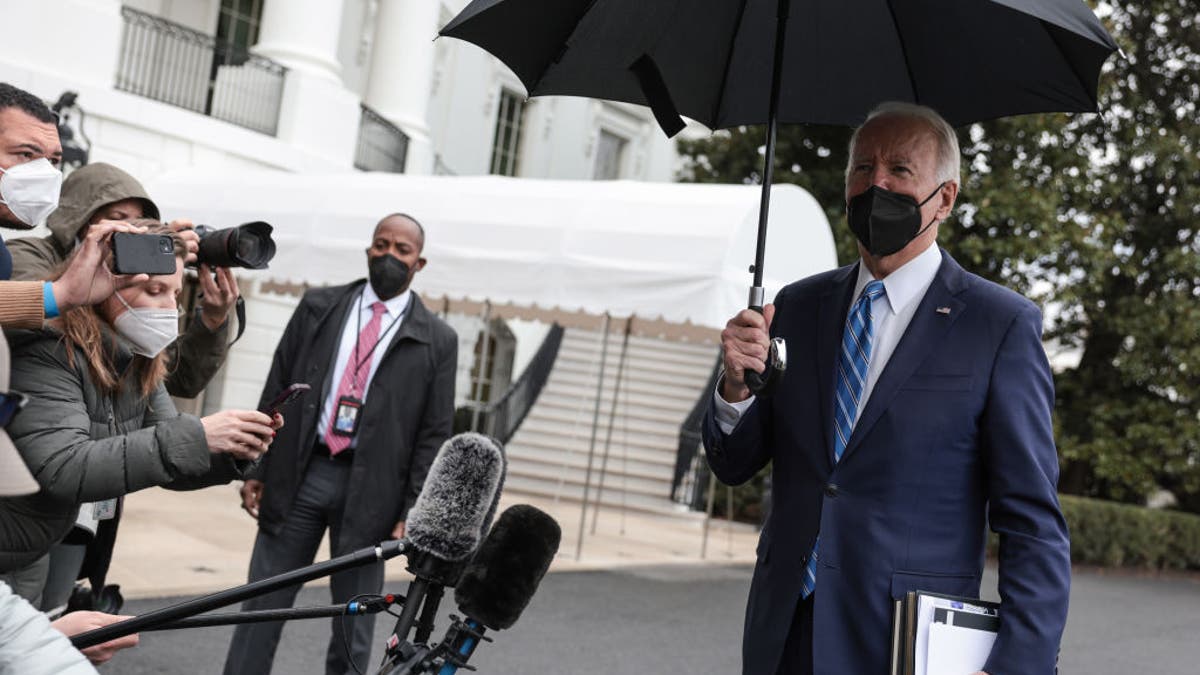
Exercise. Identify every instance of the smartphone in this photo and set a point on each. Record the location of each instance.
(285, 397)
(143, 253)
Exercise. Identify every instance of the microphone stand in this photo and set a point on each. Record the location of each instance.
(443, 658)
(190, 608)
(432, 575)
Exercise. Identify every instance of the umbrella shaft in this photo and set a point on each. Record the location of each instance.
(764, 207)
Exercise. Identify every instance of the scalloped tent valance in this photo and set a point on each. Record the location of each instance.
(670, 251)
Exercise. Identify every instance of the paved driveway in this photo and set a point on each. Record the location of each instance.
(687, 619)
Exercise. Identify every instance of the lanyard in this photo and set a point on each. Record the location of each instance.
(354, 360)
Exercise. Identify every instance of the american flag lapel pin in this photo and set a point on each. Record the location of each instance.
(943, 310)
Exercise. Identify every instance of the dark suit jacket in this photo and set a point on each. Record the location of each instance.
(956, 434)
(408, 414)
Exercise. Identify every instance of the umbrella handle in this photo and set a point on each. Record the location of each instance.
(764, 383)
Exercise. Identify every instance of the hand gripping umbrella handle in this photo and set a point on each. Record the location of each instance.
(764, 383)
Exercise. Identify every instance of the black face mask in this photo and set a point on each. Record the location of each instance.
(388, 275)
(885, 221)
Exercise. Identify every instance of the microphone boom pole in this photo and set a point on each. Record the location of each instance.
(188, 608)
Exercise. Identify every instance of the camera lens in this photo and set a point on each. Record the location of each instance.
(166, 245)
(248, 245)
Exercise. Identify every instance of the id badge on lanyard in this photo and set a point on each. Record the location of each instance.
(345, 417)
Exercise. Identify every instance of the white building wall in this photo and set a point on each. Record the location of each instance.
(559, 133)
(318, 126)
(198, 15)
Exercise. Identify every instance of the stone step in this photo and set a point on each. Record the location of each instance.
(649, 438)
(663, 357)
(620, 462)
(628, 416)
(684, 392)
(517, 485)
(660, 382)
(584, 339)
(555, 441)
(572, 478)
(626, 420)
(563, 395)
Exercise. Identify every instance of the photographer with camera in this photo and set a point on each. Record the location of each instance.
(92, 194)
(99, 192)
(99, 423)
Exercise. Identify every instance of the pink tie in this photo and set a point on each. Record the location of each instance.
(355, 374)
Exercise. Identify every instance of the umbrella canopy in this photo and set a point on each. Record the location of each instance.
(727, 63)
(711, 60)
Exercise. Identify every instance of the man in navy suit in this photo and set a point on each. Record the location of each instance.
(915, 412)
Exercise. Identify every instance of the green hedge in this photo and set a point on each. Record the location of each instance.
(1111, 534)
(1122, 535)
(1103, 533)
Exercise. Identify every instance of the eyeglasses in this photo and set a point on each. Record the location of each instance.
(11, 403)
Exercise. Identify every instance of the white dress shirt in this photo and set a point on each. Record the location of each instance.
(905, 287)
(355, 322)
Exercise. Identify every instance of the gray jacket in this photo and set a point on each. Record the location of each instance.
(83, 446)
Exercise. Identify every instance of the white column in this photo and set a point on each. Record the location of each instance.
(402, 73)
(317, 114)
(302, 35)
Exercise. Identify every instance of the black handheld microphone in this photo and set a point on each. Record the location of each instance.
(445, 524)
(502, 578)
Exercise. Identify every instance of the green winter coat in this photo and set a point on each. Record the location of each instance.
(84, 446)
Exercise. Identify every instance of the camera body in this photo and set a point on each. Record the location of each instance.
(248, 245)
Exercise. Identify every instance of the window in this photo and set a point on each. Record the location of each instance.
(237, 29)
(609, 149)
(491, 369)
(507, 141)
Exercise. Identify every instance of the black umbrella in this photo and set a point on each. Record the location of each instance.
(727, 63)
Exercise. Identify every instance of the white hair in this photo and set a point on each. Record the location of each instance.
(949, 157)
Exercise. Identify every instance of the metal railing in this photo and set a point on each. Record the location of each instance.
(168, 62)
(382, 146)
(691, 470)
(500, 419)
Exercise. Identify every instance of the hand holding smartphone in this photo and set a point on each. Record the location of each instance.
(285, 397)
(143, 253)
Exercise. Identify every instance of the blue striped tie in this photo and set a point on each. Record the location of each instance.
(851, 378)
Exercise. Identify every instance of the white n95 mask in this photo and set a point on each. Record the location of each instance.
(31, 190)
(147, 330)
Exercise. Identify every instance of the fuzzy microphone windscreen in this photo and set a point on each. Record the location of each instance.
(458, 497)
(502, 578)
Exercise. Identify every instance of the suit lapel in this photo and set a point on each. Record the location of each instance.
(831, 319)
(414, 326)
(924, 336)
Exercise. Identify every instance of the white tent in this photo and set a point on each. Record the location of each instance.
(676, 251)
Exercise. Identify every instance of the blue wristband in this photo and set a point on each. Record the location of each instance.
(49, 305)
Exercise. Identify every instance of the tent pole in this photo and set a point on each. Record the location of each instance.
(612, 417)
(708, 513)
(587, 476)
